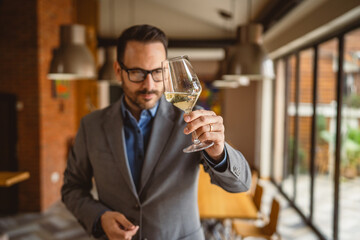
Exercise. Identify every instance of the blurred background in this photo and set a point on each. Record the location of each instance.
(284, 74)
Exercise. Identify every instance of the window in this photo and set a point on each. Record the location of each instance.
(317, 170)
(350, 147)
(288, 182)
(305, 116)
(325, 138)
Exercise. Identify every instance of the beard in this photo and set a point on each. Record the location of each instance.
(137, 101)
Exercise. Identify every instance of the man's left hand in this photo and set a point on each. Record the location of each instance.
(208, 127)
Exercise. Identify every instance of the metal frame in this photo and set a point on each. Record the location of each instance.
(286, 123)
(296, 123)
(313, 130)
(340, 88)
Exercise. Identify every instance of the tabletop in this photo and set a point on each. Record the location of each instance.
(214, 202)
(7, 178)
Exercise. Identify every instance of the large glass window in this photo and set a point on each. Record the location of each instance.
(288, 182)
(350, 148)
(314, 157)
(305, 116)
(325, 138)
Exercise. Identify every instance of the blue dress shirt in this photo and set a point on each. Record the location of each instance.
(137, 134)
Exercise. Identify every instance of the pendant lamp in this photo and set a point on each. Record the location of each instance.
(247, 59)
(107, 72)
(72, 60)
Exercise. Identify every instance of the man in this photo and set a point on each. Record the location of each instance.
(147, 187)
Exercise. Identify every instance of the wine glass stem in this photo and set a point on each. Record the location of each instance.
(196, 140)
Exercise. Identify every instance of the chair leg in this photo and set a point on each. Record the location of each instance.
(4, 236)
(276, 236)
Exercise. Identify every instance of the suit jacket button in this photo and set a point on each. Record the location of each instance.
(137, 206)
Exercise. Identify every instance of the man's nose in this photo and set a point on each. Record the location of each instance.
(149, 82)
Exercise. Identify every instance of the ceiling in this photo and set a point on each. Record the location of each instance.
(188, 19)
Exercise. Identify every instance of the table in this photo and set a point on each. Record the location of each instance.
(7, 179)
(214, 202)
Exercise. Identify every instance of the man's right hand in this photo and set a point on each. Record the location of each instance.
(117, 227)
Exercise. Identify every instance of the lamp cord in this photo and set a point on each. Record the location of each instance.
(112, 17)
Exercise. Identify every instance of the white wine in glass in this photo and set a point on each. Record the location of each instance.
(182, 100)
(182, 88)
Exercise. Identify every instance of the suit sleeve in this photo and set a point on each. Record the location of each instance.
(237, 174)
(75, 191)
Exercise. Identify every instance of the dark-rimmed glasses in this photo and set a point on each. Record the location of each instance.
(139, 75)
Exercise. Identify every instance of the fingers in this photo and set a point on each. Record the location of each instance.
(208, 127)
(123, 222)
(117, 226)
(195, 114)
(203, 121)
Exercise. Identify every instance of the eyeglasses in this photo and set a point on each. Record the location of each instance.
(139, 75)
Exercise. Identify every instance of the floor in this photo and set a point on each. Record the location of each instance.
(58, 224)
(349, 203)
(290, 226)
(55, 223)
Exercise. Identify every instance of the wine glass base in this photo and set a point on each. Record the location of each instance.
(198, 147)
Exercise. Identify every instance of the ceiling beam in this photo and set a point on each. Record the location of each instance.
(181, 43)
(274, 11)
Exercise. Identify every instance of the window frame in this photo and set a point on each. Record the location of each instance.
(339, 35)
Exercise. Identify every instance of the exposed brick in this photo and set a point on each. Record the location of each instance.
(29, 32)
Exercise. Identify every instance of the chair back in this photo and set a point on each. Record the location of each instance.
(254, 182)
(270, 228)
(258, 196)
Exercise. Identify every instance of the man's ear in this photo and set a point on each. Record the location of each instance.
(117, 70)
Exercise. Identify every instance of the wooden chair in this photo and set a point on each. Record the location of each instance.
(254, 182)
(258, 196)
(4, 236)
(256, 192)
(246, 229)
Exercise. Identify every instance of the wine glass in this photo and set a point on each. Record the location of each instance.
(182, 89)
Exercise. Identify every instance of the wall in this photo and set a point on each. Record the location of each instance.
(86, 90)
(239, 113)
(57, 119)
(29, 31)
(18, 75)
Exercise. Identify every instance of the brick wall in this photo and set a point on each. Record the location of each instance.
(57, 116)
(29, 31)
(19, 76)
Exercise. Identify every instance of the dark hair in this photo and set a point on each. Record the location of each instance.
(141, 33)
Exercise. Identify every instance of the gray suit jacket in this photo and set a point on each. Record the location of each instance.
(165, 207)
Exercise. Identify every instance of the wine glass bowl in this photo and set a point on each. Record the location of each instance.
(182, 88)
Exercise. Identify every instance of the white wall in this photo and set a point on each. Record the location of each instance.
(239, 113)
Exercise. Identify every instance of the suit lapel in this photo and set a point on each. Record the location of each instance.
(113, 126)
(161, 130)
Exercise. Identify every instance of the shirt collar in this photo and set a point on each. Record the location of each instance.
(125, 110)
